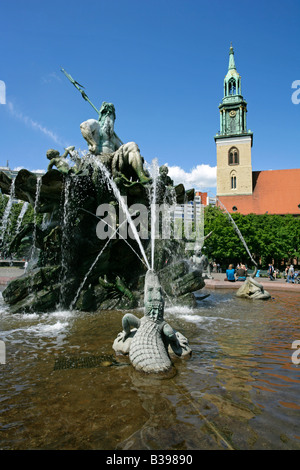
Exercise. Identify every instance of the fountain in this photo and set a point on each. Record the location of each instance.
(152, 340)
(105, 190)
(251, 288)
(218, 400)
(5, 219)
(21, 216)
(37, 196)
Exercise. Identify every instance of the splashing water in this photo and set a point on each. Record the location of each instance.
(122, 203)
(65, 237)
(7, 210)
(37, 197)
(73, 303)
(238, 232)
(21, 216)
(154, 175)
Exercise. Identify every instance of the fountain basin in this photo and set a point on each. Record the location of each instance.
(239, 389)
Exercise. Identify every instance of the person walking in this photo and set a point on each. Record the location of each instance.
(230, 273)
(271, 272)
(286, 273)
(290, 276)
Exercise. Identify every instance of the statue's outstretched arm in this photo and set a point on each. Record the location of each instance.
(68, 151)
(129, 321)
(51, 164)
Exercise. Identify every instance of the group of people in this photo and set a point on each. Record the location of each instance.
(238, 274)
(291, 274)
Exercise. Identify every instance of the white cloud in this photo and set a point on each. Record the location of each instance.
(34, 125)
(18, 168)
(200, 177)
(38, 171)
(50, 77)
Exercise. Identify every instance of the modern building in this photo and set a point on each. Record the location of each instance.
(13, 173)
(8, 171)
(239, 188)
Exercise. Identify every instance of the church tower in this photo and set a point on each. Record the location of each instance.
(234, 141)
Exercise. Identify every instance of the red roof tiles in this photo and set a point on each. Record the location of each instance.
(274, 192)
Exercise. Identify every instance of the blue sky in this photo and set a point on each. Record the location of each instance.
(162, 64)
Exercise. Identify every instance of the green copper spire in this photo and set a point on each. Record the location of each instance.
(231, 65)
(233, 109)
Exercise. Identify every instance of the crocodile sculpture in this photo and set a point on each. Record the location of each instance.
(152, 340)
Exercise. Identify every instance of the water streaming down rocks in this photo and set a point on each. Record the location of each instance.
(154, 175)
(36, 202)
(75, 267)
(21, 216)
(123, 205)
(7, 211)
(66, 225)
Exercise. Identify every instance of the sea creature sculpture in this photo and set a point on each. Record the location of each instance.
(152, 339)
(252, 289)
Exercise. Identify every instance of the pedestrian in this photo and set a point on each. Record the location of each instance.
(286, 273)
(271, 272)
(25, 266)
(230, 273)
(291, 273)
(241, 273)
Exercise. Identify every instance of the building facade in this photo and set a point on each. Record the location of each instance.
(238, 187)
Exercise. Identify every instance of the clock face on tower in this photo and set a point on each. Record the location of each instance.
(232, 113)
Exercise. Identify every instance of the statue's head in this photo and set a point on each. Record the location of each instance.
(51, 153)
(106, 109)
(153, 298)
(163, 170)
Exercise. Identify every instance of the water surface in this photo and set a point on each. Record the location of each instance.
(63, 388)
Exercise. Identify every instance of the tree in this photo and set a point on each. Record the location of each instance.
(268, 237)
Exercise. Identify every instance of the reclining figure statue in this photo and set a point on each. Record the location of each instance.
(251, 289)
(103, 142)
(152, 339)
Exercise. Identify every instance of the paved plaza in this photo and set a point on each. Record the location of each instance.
(9, 273)
(279, 284)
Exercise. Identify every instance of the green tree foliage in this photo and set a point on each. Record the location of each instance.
(268, 237)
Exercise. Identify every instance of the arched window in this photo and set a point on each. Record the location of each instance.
(233, 156)
(232, 87)
(233, 182)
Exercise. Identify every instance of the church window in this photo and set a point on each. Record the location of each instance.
(234, 208)
(233, 156)
(232, 87)
(233, 182)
